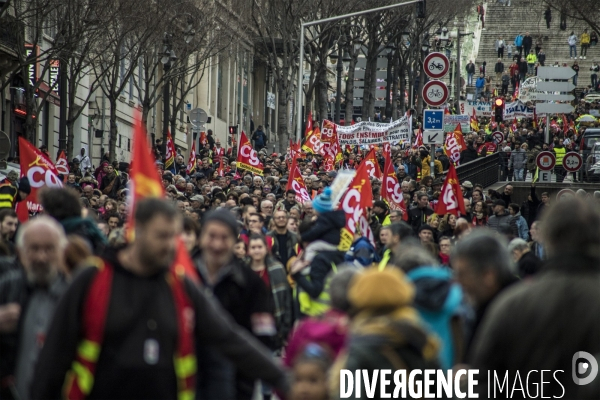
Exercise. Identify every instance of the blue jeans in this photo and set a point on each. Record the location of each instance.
(478, 92)
(530, 69)
(470, 79)
(572, 51)
(519, 174)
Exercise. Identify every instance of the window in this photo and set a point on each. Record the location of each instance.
(220, 88)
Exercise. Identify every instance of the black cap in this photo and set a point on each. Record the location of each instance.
(24, 185)
(225, 217)
(499, 202)
(426, 228)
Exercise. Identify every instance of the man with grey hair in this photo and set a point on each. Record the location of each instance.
(28, 297)
(481, 263)
(527, 263)
(551, 322)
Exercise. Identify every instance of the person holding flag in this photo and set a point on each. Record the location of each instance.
(191, 166)
(171, 153)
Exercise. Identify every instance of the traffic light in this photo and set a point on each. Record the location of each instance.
(499, 109)
(233, 130)
(421, 9)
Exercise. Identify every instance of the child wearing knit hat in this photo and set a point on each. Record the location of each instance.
(329, 222)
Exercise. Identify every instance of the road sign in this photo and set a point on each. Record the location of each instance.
(550, 86)
(433, 137)
(554, 97)
(572, 161)
(555, 72)
(553, 108)
(436, 65)
(545, 160)
(498, 136)
(433, 120)
(565, 194)
(544, 176)
(435, 93)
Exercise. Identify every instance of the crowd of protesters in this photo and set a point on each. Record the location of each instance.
(491, 289)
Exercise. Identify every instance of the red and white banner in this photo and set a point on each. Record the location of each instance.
(455, 143)
(418, 138)
(203, 139)
(170, 156)
(451, 198)
(62, 165)
(247, 157)
(354, 202)
(312, 143)
(392, 191)
(372, 164)
(296, 182)
(329, 163)
(40, 171)
(331, 145)
(367, 133)
(191, 166)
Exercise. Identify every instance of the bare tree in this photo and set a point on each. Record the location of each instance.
(582, 10)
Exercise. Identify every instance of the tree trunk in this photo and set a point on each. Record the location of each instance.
(112, 139)
(283, 121)
(350, 92)
(322, 94)
(145, 114)
(420, 88)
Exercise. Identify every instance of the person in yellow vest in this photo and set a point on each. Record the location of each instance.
(13, 190)
(382, 212)
(390, 236)
(133, 324)
(531, 60)
(425, 167)
(559, 151)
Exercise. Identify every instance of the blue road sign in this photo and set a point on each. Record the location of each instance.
(433, 120)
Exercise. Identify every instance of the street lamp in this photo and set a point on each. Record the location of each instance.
(168, 56)
(344, 59)
(389, 49)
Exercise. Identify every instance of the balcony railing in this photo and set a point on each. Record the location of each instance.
(10, 30)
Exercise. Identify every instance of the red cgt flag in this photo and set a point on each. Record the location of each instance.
(451, 198)
(40, 171)
(247, 158)
(392, 191)
(354, 202)
(170, 156)
(372, 164)
(62, 165)
(144, 183)
(312, 143)
(191, 167)
(296, 182)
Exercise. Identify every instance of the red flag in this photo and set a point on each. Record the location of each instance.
(191, 167)
(145, 182)
(203, 139)
(329, 163)
(565, 124)
(455, 144)
(392, 191)
(247, 158)
(40, 171)
(62, 165)
(309, 125)
(419, 138)
(517, 90)
(354, 202)
(474, 122)
(170, 157)
(535, 120)
(372, 164)
(296, 182)
(330, 141)
(447, 110)
(312, 143)
(451, 198)
(515, 125)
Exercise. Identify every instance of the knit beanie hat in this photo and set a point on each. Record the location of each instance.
(224, 217)
(322, 203)
(24, 185)
(374, 289)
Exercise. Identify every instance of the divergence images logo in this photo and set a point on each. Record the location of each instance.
(580, 367)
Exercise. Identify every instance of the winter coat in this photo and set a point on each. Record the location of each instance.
(505, 80)
(527, 41)
(518, 159)
(469, 154)
(438, 301)
(564, 302)
(572, 40)
(426, 168)
(327, 228)
(522, 67)
(522, 226)
(499, 44)
(529, 264)
(531, 159)
(480, 83)
(585, 38)
(499, 67)
(541, 57)
(470, 68)
(519, 41)
(500, 223)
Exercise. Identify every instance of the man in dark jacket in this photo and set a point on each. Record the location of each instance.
(468, 154)
(499, 69)
(527, 42)
(528, 264)
(143, 312)
(566, 319)
(470, 72)
(418, 216)
(260, 139)
(502, 221)
(522, 69)
(284, 242)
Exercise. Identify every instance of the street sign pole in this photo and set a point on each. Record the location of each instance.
(547, 134)
(432, 163)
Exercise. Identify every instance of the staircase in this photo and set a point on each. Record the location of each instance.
(528, 16)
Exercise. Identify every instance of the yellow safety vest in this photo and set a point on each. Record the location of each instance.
(560, 154)
(387, 255)
(315, 307)
(8, 195)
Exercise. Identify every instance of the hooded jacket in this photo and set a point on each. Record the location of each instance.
(327, 228)
(518, 159)
(438, 301)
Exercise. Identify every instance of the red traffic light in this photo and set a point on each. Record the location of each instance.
(232, 129)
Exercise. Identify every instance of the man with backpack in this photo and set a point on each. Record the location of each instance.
(260, 138)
